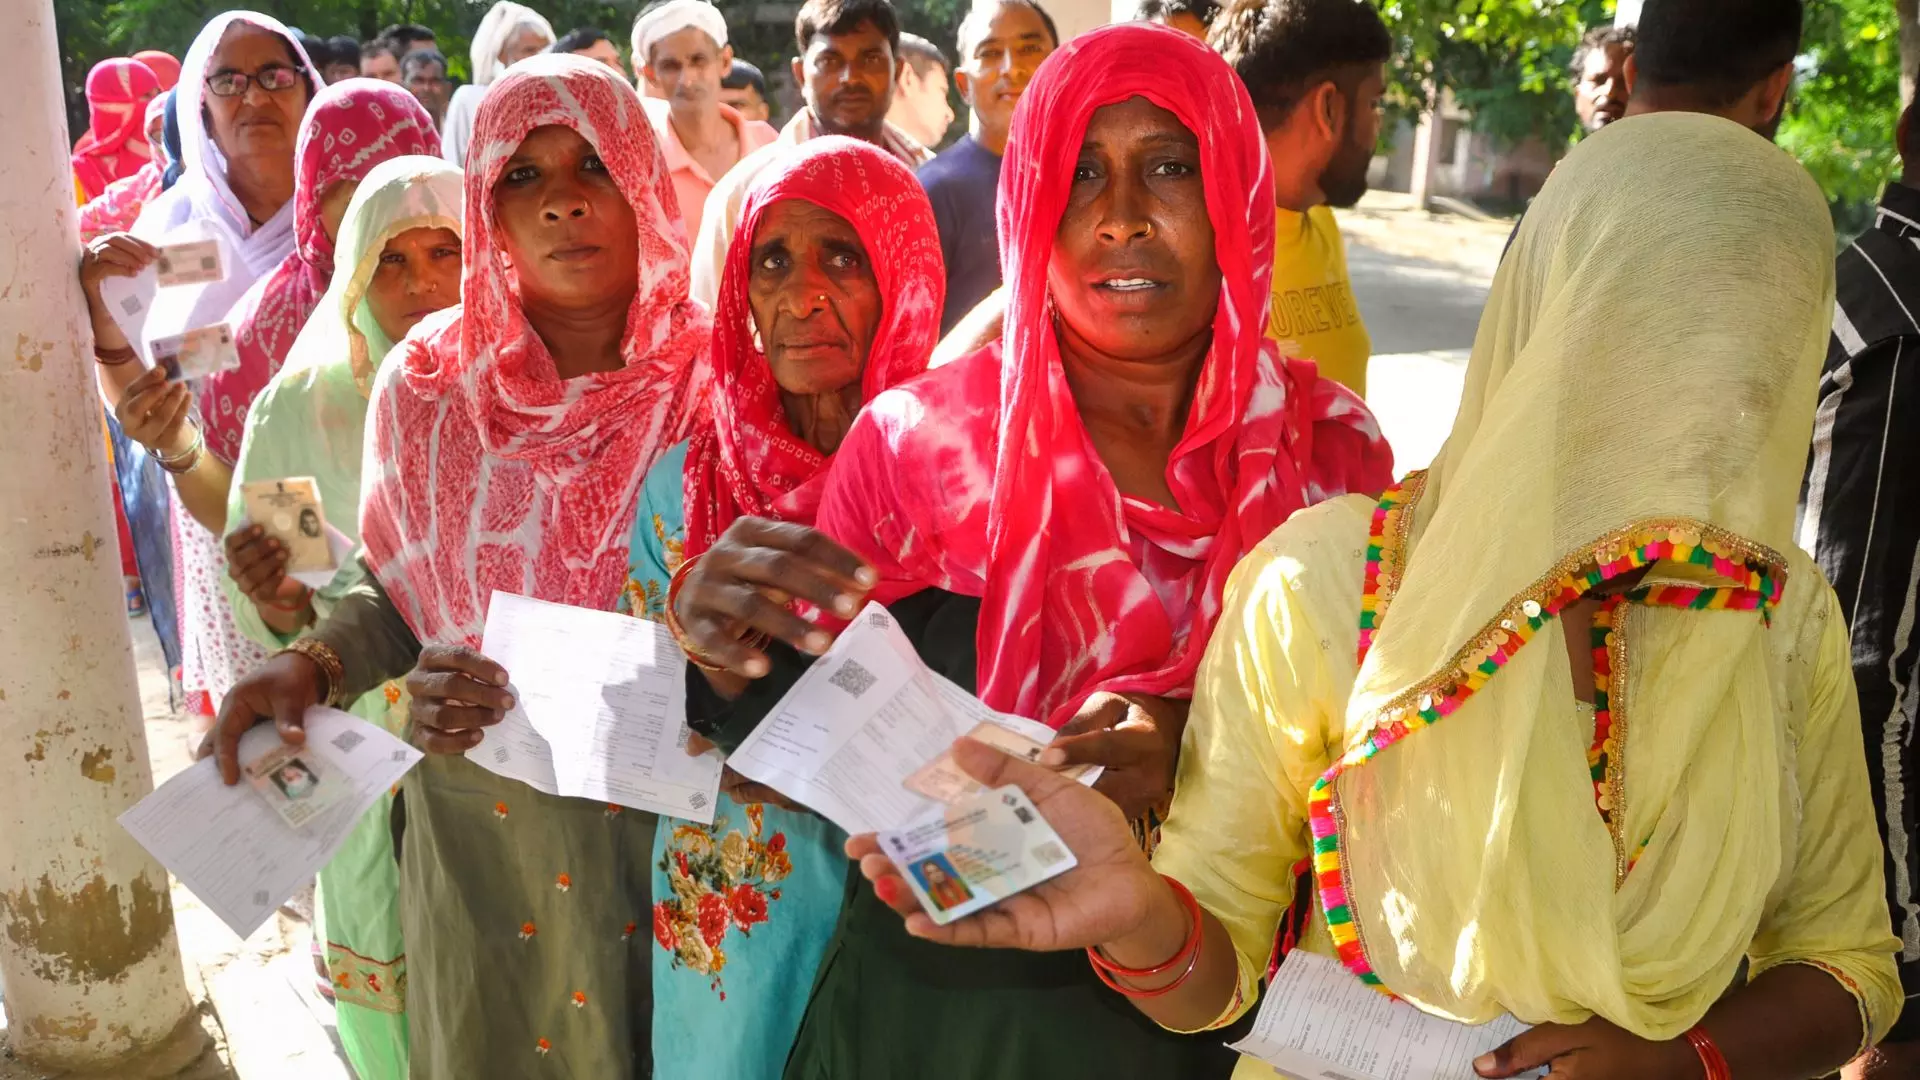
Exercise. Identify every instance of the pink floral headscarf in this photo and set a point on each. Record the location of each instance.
(351, 126)
(979, 477)
(484, 470)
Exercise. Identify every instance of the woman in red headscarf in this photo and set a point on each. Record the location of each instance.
(162, 64)
(115, 143)
(506, 444)
(831, 294)
(1052, 520)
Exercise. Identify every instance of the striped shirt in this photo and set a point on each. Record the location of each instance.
(1860, 517)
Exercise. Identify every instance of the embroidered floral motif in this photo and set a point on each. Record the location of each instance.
(564, 883)
(719, 885)
(500, 810)
(541, 1047)
(579, 999)
(526, 931)
(393, 694)
(368, 983)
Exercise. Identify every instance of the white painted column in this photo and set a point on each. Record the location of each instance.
(88, 955)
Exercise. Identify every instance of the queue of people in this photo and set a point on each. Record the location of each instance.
(1081, 400)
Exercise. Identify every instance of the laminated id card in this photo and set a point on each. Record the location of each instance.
(981, 850)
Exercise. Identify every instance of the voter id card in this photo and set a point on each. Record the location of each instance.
(195, 262)
(294, 783)
(289, 510)
(942, 779)
(197, 353)
(981, 850)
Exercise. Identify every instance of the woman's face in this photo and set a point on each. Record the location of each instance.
(257, 122)
(418, 274)
(814, 299)
(333, 206)
(564, 227)
(525, 41)
(1133, 272)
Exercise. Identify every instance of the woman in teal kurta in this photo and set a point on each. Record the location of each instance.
(831, 293)
(398, 260)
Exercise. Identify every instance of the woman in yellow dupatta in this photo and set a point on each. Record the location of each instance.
(1590, 837)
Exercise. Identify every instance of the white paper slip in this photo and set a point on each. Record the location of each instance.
(865, 719)
(599, 711)
(129, 299)
(979, 851)
(232, 847)
(1318, 1022)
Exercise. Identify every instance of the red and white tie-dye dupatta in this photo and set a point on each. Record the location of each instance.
(484, 470)
(744, 459)
(979, 477)
(349, 128)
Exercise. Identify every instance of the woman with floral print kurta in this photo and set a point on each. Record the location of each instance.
(832, 293)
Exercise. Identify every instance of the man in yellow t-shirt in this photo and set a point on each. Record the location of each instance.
(1316, 70)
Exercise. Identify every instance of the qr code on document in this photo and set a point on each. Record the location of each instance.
(347, 740)
(853, 678)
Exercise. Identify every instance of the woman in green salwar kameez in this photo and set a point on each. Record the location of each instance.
(398, 261)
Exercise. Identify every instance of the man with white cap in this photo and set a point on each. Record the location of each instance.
(681, 53)
(847, 68)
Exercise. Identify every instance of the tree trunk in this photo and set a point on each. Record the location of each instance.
(1908, 12)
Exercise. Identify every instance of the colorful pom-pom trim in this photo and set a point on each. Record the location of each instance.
(1760, 574)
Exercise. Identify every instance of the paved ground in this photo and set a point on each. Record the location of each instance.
(1420, 280)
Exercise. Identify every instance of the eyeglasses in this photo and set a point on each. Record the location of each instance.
(271, 78)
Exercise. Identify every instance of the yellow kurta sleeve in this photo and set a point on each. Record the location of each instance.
(1266, 702)
(1832, 913)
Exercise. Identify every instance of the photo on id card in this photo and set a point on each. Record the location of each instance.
(979, 851)
(293, 783)
(289, 510)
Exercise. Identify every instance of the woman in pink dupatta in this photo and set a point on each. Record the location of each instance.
(1052, 519)
(506, 444)
(115, 143)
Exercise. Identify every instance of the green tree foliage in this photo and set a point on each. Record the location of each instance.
(1507, 61)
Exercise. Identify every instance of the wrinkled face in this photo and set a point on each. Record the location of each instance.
(1344, 179)
(380, 65)
(1601, 96)
(686, 67)
(564, 228)
(525, 41)
(921, 102)
(997, 68)
(1133, 273)
(418, 274)
(429, 86)
(848, 81)
(606, 52)
(333, 206)
(257, 122)
(816, 304)
(746, 101)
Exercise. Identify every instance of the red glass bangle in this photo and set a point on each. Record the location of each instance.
(1711, 1059)
(1189, 954)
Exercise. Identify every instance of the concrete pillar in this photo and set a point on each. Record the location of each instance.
(88, 957)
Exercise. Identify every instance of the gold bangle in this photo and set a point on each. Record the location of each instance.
(700, 660)
(327, 661)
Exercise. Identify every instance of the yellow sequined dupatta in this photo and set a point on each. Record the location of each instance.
(1641, 391)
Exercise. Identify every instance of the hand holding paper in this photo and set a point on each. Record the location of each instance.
(244, 849)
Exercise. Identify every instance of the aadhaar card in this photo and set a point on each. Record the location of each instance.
(943, 780)
(289, 510)
(982, 850)
(193, 263)
(197, 353)
(294, 783)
